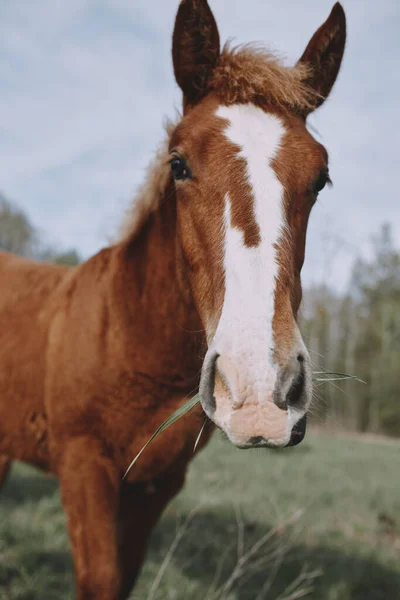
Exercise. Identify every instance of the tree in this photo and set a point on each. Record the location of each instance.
(17, 234)
(69, 258)
(359, 334)
(376, 284)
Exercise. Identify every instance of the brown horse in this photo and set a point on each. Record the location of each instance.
(202, 291)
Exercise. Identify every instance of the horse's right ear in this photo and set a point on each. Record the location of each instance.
(195, 48)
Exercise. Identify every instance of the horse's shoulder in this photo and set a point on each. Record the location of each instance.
(81, 297)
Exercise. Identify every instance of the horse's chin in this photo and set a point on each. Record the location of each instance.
(296, 437)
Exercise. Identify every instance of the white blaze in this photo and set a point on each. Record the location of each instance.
(244, 332)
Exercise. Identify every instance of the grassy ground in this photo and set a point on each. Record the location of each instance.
(328, 512)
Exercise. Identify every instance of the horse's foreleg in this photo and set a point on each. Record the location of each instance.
(5, 464)
(90, 489)
(140, 508)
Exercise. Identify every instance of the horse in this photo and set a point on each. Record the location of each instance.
(200, 292)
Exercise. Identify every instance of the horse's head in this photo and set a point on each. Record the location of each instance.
(247, 173)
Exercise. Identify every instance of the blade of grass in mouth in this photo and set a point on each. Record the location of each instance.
(180, 412)
(318, 376)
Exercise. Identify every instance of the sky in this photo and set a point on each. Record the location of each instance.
(86, 85)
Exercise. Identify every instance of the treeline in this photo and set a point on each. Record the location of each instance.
(358, 333)
(18, 235)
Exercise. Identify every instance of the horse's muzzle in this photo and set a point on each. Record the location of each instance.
(253, 424)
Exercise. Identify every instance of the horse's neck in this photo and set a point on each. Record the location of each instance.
(158, 308)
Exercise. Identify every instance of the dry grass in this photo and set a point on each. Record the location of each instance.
(319, 521)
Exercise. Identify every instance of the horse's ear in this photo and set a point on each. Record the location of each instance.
(195, 48)
(324, 54)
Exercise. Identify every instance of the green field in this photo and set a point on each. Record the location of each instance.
(320, 521)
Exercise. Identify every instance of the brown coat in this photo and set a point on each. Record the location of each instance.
(93, 359)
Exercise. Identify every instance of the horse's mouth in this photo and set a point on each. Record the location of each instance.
(297, 436)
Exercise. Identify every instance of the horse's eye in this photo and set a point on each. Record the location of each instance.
(320, 182)
(179, 168)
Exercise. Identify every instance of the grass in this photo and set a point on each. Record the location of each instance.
(321, 519)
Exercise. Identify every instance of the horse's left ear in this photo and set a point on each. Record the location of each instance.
(324, 54)
(195, 48)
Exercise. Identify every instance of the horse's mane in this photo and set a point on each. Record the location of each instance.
(243, 74)
(251, 73)
(150, 193)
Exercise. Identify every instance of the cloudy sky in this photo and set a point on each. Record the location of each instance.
(86, 84)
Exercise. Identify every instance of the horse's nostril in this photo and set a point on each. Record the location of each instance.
(296, 389)
(300, 358)
(207, 383)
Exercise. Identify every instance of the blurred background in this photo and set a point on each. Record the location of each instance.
(85, 87)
